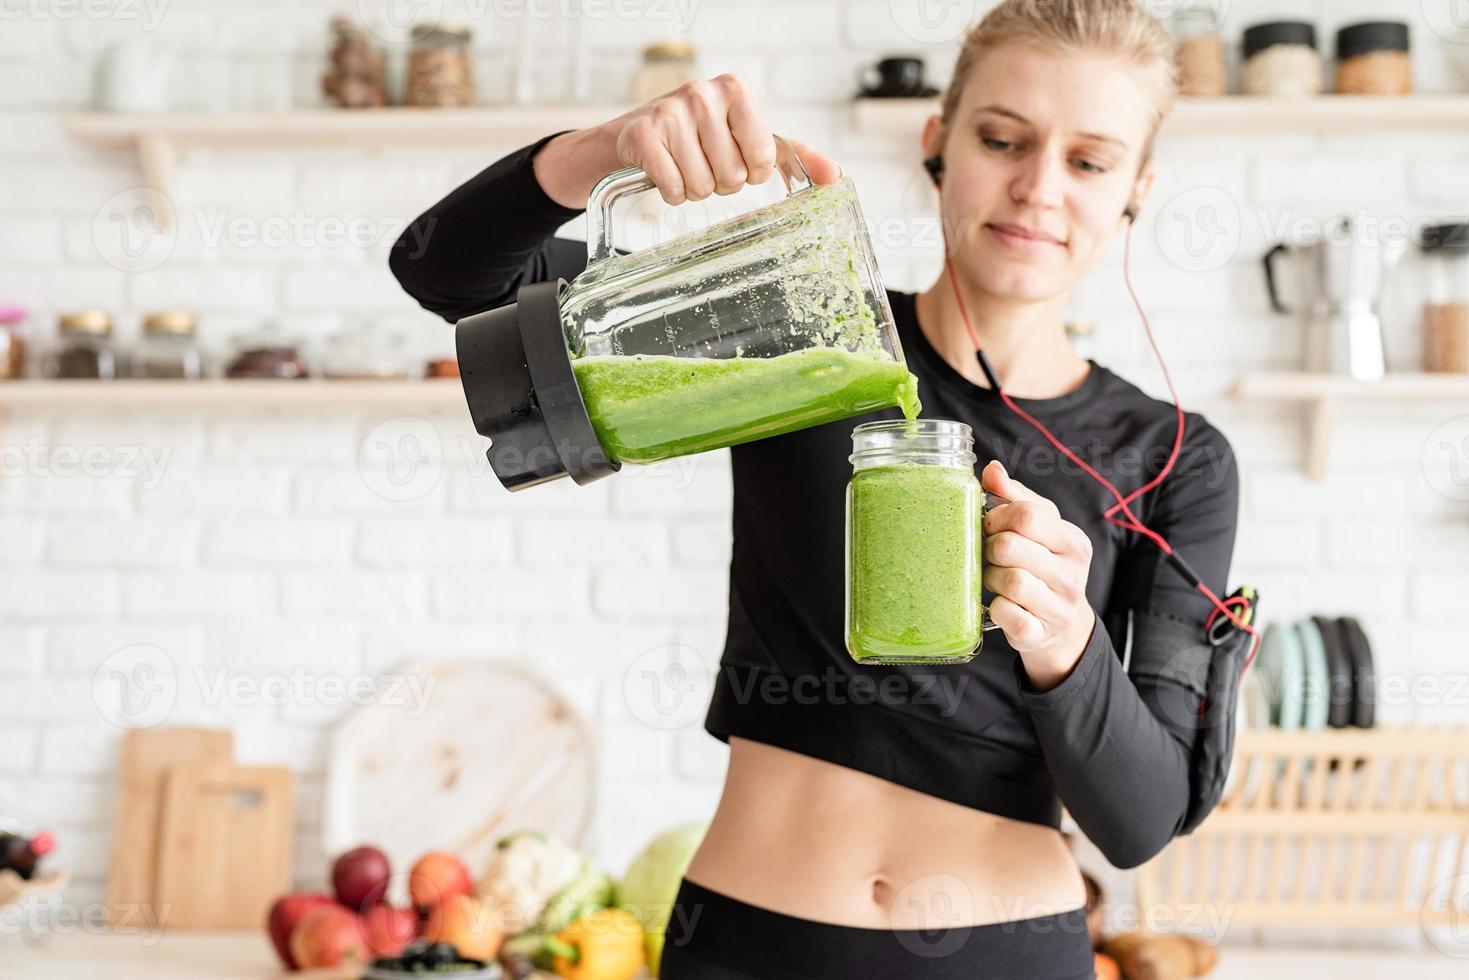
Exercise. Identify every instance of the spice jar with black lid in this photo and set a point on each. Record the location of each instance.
(1373, 58)
(84, 348)
(1281, 59)
(1445, 251)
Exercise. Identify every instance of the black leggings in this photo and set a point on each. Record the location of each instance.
(714, 937)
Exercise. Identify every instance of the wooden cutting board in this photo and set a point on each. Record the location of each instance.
(225, 851)
(147, 755)
(489, 749)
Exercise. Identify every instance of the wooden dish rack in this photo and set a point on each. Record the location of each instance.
(1354, 826)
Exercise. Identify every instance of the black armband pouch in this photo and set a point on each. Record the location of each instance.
(1193, 686)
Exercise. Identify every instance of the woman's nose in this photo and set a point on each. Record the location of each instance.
(1040, 183)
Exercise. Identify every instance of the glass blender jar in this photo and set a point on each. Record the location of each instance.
(759, 325)
(915, 555)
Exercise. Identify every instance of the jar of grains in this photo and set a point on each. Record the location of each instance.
(1280, 59)
(440, 66)
(1373, 59)
(1199, 52)
(1446, 297)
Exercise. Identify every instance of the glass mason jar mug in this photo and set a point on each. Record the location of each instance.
(915, 563)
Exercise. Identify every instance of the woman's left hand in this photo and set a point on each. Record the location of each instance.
(1036, 564)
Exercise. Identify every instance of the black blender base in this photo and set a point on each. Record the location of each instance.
(523, 395)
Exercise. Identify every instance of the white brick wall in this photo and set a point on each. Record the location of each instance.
(257, 544)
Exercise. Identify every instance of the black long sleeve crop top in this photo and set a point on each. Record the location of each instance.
(1111, 742)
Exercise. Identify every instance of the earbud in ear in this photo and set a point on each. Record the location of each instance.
(935, 167)
(1130, 212)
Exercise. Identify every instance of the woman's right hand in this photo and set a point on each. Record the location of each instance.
(704, 137)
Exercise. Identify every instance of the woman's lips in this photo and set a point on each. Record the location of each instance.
(1019, 242)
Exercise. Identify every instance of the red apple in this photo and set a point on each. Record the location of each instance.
(284, 914)
(328, 935)
(388, 929)
(360, 878)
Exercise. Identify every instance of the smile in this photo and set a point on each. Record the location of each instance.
(1022, 243)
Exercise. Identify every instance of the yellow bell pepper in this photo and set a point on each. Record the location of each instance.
(603, 945)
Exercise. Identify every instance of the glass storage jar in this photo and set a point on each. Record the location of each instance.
(1373, 59)
(1281, 59)
(84, 348)
(440, 66)
(269, 353)
(1445, 251)
(168, 349)
(12, 342)
(665, 67)
(365, 354)
(914, 556)
(1199, 53)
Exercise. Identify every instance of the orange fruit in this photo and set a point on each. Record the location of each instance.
(468, 924)
(437, 876)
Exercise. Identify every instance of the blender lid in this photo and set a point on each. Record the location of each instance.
(523, 395)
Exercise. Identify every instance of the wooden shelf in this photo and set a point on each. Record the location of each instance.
(157, 138)
(1234, 114)
(227, 393)
(1321, 394)
(398, 128)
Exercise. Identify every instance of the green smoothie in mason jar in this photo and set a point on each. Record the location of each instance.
(914, 556)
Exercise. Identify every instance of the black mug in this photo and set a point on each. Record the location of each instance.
(894, 78)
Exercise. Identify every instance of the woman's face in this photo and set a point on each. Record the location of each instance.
(1044, 144)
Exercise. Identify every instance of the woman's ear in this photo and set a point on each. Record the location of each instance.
(1140, 188)
(933, 137)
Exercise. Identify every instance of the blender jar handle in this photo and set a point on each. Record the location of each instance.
(627, 182)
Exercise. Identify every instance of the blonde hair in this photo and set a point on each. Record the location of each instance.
(1119, 27)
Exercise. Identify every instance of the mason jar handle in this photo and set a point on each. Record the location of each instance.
(632, 180)
(989, 624)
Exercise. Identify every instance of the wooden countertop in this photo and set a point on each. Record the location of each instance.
(248, 956)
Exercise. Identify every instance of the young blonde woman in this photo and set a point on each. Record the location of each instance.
(915, 833)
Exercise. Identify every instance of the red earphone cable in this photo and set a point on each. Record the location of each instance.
(1132, 523)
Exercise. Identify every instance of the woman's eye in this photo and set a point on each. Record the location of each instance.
(1090, 167)
(999, 145)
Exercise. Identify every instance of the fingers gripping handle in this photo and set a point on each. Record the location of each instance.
(625, 183)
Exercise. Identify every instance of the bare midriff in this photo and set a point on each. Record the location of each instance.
(818, 841)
